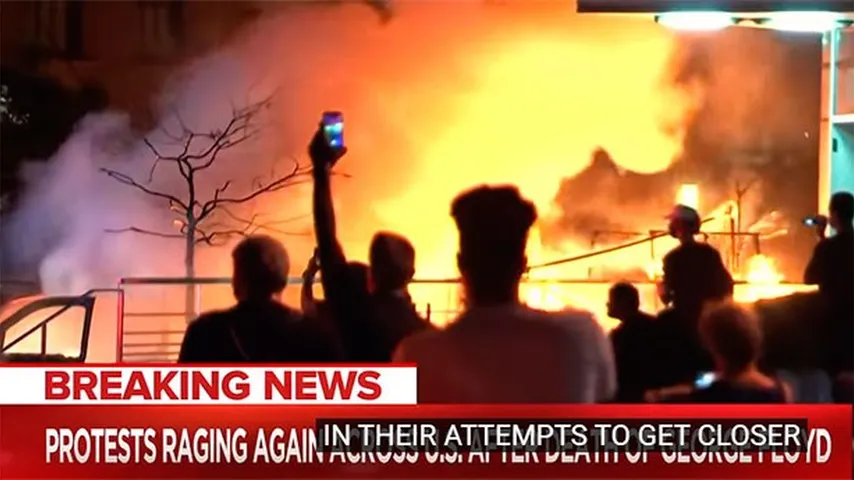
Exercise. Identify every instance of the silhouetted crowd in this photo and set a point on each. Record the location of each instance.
(702, 348)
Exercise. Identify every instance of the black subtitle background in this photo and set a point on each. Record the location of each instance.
(444, 425)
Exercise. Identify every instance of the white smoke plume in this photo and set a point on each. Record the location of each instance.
(427, 105)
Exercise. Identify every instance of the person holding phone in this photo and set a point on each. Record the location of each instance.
(372, 321)
(734, 337)
(694, 275)
(831, 267)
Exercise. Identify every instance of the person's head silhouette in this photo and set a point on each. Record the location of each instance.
(359, 273)
(392, 262)
(493, 225)
(841, 211)
(731, 333)
(623, 301)
(684, 223)
(261, 267)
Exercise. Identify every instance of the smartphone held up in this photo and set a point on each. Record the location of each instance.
(333, 129)
(814, 221)
(705, 380)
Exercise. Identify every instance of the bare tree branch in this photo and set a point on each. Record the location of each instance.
(127, 180)
(180, 161)
(288, 220)
(270, 229)
(253, 225)
(297, 175)
(742, 189)
(144, 232)
(209, 220)
(240, 128)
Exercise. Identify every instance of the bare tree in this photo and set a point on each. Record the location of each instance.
(208, 219)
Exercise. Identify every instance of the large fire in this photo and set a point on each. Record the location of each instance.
(758, 279)
(518, 97)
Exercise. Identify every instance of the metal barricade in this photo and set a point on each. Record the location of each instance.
(151, 324)
(151, 329)
(151, 316)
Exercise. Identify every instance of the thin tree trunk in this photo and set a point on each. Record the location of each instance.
(190, 273)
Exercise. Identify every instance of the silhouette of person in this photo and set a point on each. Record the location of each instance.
(734, 337)
(832, 269)
(694, 272)
(259, 328)
(499, 350)
(311, 307)
(635, 344)
(308, 303)
(694, 276)
(371, 326)
(392, 266)
(317, 310)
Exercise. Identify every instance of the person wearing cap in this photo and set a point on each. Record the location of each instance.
(500, 350)
(694, 272)
(733, 335)
(260, 328)
(373, 320)
(831, 267)
(694, 276)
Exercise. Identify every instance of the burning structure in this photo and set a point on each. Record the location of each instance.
(599, 120)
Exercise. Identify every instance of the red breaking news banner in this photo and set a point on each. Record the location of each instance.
(168, 421)
(265, 441)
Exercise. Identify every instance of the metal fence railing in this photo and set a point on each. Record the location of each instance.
(151, 313)
(149, 319)
(152, 320)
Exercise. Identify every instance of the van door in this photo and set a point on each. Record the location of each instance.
(47, 329)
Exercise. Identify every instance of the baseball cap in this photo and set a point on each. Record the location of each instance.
(683, 213)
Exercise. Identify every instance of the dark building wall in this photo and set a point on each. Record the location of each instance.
(125, 47)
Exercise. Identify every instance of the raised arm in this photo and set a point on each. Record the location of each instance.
(349, 303)
(333, 263)
(329, 251)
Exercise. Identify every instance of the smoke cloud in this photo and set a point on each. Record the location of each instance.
(441, 98)
(753, 120)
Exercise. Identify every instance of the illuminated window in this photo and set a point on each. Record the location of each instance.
(161, 25)
(845, 74)
(50, 24)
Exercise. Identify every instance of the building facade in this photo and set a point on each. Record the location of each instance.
(836, 168)
(126, 48)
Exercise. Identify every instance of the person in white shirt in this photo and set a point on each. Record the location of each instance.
(499, 350)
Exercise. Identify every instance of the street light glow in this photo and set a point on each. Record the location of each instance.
(805, 21)
(696, 21)
(810, 21)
